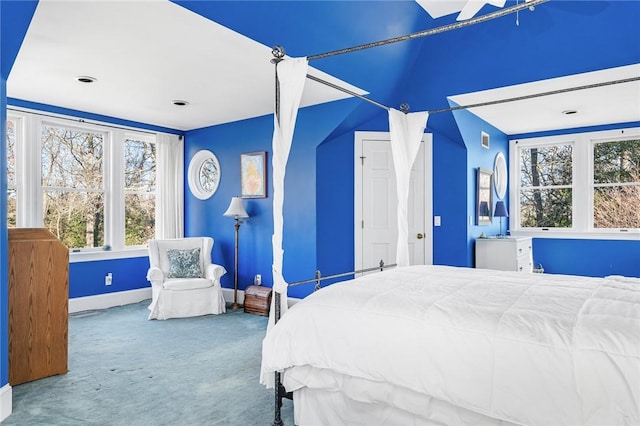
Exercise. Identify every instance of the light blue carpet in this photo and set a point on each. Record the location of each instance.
(126, 370)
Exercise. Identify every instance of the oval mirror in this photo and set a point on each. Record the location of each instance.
(500, 175)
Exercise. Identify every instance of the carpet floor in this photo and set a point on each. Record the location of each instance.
(126, 370)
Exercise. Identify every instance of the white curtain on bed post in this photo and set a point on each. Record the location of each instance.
(406, 132)
(291, 74)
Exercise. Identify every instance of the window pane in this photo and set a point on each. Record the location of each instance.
(71, 158)
(11, 208)
(11, 153)
(616, 162)
(140, 186)
(545, 208)
(545, 166)
(140, 165)
(140, 218)
(76, 218)
(616, 207)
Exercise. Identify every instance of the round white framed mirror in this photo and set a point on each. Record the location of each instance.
(500, 175)
(203, 174)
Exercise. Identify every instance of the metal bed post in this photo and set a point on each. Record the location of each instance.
(278, 53)
(277, 420)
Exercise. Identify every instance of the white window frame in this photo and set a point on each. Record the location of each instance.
(582, 185)
(29, 182)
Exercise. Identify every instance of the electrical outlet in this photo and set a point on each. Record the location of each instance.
(257, 280)
(108, 279)
(436, 221)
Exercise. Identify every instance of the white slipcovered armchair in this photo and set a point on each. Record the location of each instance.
(184, 282)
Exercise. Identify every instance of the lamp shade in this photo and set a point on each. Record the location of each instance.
(501, 210)
(236, 208)
(484, 208)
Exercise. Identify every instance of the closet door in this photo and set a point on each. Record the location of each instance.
(376, 231)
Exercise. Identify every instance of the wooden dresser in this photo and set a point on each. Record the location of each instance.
(507, 254)
(38, 305)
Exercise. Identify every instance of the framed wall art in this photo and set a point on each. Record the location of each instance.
(253, 174)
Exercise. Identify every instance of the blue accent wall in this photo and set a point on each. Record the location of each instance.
(205, 217)
(15, 17)
(595, 258)
(471, 128)
(87, 278)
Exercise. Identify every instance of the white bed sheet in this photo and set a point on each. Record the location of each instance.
(533, 349)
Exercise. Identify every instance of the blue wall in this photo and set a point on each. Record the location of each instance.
(596, 258)
(15, 17)
(204, 217)
(477, 156)
(87, 278)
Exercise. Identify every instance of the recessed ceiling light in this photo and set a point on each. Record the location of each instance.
(178, 102)
(569, 112)
(86, 79)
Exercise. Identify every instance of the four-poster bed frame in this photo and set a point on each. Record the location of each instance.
(279, 53)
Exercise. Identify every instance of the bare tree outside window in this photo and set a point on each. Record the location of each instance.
(92, 186)
(616, 184)
(72, 185)
(11, 173)
(140, 187)
(546, 186)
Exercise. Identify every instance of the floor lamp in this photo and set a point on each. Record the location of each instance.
(237, 211)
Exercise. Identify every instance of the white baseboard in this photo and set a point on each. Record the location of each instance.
(6, 401)
(108, 300)
(104, 301)
(228, 295)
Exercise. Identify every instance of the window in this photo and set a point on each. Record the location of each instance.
(73, 190)
(140, 187)
(616, 184)
(545, 186)
(92, 186)
(581, 183)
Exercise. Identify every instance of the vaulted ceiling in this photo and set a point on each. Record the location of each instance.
(215, 55)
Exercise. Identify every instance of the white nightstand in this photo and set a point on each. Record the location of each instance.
(507, 254)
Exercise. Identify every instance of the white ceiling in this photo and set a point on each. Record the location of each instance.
(619, 103)
(143, 56)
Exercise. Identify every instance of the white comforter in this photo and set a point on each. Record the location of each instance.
(532, 349)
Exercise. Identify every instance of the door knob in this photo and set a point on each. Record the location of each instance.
(420, 236)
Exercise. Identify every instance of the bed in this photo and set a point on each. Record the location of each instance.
(446, 346)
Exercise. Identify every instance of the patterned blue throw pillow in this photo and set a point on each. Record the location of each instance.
(184, 263)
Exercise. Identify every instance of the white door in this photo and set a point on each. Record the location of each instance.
(376, 229)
